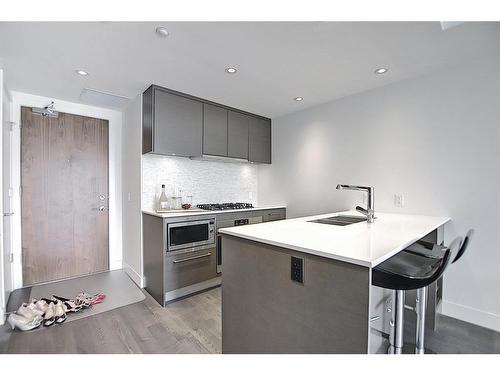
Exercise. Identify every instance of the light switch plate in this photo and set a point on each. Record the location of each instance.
(398, 200)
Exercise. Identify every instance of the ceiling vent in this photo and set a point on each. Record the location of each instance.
(445, 25)
(103, 99)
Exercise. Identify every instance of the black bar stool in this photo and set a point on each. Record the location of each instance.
(408, 271)
(432, 250)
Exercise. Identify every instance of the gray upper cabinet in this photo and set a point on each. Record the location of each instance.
(259, 140)
(214, 130)
(173, 123)
(178, 124)
(237, 135)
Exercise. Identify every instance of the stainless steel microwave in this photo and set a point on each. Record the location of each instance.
(190, 234)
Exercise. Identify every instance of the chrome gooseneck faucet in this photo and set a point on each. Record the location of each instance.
(370, 210)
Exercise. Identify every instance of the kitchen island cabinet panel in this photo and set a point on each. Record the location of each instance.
(328, 313)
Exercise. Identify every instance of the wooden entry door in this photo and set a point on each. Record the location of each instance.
(64, 204)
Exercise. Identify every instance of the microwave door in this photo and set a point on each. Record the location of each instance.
(189, 234)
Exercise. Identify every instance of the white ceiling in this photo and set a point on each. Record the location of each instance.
(276, 61)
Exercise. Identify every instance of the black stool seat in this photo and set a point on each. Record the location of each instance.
(431, 250)
(407, 271)
(428, 249)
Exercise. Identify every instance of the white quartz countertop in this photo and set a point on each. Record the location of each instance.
(207, 212)
(360, 243)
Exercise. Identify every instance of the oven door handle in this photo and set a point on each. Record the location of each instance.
(192, 258)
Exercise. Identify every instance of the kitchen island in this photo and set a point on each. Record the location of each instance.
(299, 286)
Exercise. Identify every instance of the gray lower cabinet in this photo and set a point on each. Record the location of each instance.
(175, 124)
(167, 273)
(153, 254)
(237, 135)
(259, 140)
(273, 215)
(214, 130)
(186, 269)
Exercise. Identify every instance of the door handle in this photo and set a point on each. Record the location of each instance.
(192, 258)
(8, 213)
(101, 208)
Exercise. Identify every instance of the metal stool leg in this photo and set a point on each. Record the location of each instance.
(421, 304)
(397, 322)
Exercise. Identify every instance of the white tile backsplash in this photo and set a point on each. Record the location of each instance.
(206, 181)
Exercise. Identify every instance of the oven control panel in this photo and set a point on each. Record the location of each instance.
(240, 222)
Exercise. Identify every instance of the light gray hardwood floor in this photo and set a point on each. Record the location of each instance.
(193, 325)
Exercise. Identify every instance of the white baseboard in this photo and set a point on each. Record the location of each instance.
(471, 315)
(138, 279)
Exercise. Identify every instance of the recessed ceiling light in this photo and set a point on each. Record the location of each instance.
(298, 98)
(381, 70)
(231, 70)
(161, 31)
(81, 72)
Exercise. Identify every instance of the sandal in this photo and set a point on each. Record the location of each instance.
(89, 300)
(49, 317)
(98, 298)
(69, 304)
(59, 312)
(84, 300)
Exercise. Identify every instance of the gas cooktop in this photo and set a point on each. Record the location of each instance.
(224, 206)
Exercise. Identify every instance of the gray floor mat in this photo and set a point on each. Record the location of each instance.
(119, 289)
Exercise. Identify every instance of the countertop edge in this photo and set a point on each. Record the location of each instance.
(360, 262)
(207, 212)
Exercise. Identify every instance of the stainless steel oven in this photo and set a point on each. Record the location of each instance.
(190, 233)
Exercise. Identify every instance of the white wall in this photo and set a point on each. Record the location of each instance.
(206, 181)
(434, 139)
(131, 175)
(115, 184)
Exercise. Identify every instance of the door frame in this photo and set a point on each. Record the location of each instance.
(114, 119)
(3, 289)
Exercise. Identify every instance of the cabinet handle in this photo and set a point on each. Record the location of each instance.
(192, 258)
(374, 318)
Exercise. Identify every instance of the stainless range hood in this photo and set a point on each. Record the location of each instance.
(224, 159)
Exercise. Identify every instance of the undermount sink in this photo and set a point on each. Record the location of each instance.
(340, 220)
